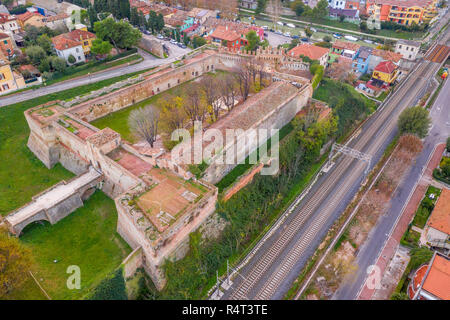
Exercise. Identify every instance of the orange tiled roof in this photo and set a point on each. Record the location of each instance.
(440, 217)
(57, 17)
(223, 33)
(3, 35)
(4, 17)
(62, 43)
(346, 45)
(311, 51)
(27, 15)
(79, 35)
(437, 282)
(387, 55)
(386, 67)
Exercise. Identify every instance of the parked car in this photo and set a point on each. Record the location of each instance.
(280, 23)
(295, 36)
(290, 25)
(351, 38)
(368, 41)
(313, 29)
(304, 39)
(271, 30)
(287, 34)
(160, 37)
(265, 27)
(180, 44)
(183, 46)
(173, 41)
(337, 35)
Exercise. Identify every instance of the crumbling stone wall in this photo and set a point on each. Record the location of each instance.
(152, 45)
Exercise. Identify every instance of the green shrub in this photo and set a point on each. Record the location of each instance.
(110, 288)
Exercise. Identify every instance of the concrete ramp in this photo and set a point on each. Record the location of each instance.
(56, 202)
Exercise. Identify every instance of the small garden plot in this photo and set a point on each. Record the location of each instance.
(426, 207)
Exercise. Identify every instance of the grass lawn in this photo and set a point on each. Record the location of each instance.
(22, 175)
(426, 207)
(86, 238)
(118, 121)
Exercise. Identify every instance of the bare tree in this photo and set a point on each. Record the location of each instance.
(228, 90)
(244, 77)
(210, 86)
(195, 105)
(143, 123)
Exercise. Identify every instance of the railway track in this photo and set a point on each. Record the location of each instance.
(285, 250)
(438, 54)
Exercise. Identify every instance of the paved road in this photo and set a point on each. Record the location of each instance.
(369, 252)
(148, 62)
(270, 269)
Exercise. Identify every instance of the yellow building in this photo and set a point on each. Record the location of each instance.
(9, 80)
(30, 18)
(385, 71)
(82, 36)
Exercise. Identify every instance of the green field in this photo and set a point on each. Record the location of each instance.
(86, 238)
(22, 175)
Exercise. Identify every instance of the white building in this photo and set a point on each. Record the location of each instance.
(336, 4)
(408, 49)
(9, 24)
(65, 48)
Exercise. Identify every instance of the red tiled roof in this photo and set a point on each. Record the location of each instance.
(4, 17)
(62, 43)
(27, 15)
(386, 67)
(79, 35)
(346, 45)
(223, 33)
(311, 51)
(440, 217)
(387, 55)
(57, 17)
(437, 282)
(3, 35)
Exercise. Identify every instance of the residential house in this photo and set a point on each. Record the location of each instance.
(379, 55)
(311, 51)
(336, 4)
(9, 80)
(6, 45)
(431, 281)
(405, 12)
(408, 49)
(351, 15)
(343, 48)
(200, 15)
(82, 36)
(57, 22)
(30, 18)
(385, 71)
(437, 229)
(229, 38)
(66, 47)
(361, 61)
(9, 24)
(249, 4)
(179, 19)
(241, 28)
(352, 4)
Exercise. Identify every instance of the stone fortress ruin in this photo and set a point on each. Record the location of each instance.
(159, 202)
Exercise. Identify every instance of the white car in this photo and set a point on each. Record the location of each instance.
(280, 23)
(287, 34)
(290, 25)
(265, 27)
(351, 38)
(173, 41)
(313, 29)
(159, 36)
(368, 41)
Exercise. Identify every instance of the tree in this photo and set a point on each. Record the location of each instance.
(195, 104)
(121, 34)
(45, 43)
(399, 296)
(210, 87)
(71, 59)
(57, 63)
(134, 19)
(15, 263)
(198, 41)
(143, 123)
(92, 15)
(321, 9)
(327, 38)
(244, 79)
(448, 144)
(252, 39)
(36, 53)
(100, 47)
(228, 90)
(298, 7)
(172, 113)
(159, 24)
(414, 120)
(341, 18)
(308, 32)
(261, 6)
(363, 26)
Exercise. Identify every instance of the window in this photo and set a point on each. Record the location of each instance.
(5, 87)
(2, 76)
(5, 41)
